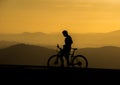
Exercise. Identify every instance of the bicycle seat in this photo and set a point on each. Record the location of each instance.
(74, 48)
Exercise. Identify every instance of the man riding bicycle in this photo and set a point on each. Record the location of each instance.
(66, 48)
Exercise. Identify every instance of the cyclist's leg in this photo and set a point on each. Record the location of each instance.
(61, 58)
(62, 61)
(67, 56)
(67, 59)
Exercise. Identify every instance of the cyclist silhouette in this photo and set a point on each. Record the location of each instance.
(66, 48)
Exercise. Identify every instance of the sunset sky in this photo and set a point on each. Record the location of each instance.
(78, 16)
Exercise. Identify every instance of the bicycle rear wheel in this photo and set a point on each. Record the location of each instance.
(80, 61)
(53, 61)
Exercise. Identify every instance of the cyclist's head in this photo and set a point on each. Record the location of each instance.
(65, 33)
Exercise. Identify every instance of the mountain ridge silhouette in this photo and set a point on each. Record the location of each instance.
(80, 40)
(25, 54)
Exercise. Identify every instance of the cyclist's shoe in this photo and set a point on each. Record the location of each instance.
(56, 62)
(62, 65)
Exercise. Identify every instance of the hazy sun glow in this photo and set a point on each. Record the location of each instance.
(79, 16)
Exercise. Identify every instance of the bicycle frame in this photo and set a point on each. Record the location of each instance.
(71, 55)
(74, 60)
(72, 52)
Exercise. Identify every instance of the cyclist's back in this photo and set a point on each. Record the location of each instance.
(68, 44)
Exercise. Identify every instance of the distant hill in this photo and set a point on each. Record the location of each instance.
(104, 57)
(22, 54)
(5, 44)
(97, 39)
(114, 32)
(51, 39)
(38, 38)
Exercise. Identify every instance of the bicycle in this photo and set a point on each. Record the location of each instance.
(79, 61)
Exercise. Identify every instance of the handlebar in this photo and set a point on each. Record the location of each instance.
(59, 47)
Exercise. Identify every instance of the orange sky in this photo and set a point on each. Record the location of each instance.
(79, 16)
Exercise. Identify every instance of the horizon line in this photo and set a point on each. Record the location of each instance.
(59, 32)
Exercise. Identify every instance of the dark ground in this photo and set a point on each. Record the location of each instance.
(42, 74)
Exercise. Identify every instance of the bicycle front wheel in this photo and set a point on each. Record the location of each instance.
(80, 61)
(54, 61)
